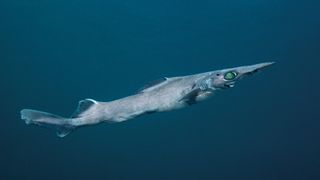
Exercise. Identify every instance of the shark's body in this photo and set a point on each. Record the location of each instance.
(164, 95)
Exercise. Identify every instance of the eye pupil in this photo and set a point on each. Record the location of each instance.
(230, 75)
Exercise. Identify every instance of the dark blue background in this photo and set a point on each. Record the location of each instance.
(56, 52)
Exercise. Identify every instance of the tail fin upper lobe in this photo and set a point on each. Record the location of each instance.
(62, 125)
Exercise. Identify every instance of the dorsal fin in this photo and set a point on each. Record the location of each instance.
(83, 106)
(153, 83)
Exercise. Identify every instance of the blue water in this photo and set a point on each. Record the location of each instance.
(54, 53)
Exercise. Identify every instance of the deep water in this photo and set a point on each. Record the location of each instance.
(54, 53)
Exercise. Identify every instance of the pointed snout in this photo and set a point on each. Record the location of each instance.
(226, 78)
(252, 69)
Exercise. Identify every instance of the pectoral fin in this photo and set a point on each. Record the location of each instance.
(191, 97)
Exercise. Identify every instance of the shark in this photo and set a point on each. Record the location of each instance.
(164, 94)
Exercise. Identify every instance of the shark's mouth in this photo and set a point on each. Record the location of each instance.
(229, 85)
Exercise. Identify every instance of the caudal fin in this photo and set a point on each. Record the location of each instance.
(62, 125)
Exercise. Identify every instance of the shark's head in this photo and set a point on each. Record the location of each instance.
(226, 78)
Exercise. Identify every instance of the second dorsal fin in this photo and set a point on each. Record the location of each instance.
(83, 106)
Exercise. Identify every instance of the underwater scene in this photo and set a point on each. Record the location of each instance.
(234, 92)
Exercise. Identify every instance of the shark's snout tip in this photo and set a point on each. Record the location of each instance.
(266, 64)
(271, 62)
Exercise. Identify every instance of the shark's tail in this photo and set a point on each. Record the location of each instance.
(62, 125)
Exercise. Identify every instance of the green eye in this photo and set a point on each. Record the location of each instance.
(230, 75)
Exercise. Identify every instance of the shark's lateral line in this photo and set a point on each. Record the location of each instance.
(162, 95)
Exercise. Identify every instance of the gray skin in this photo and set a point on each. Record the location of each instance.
(169, 94)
